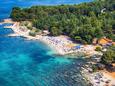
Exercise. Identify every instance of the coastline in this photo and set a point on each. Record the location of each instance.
(30, 56)
(63, 45)
(99, 78)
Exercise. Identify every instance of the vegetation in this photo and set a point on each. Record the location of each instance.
(94, 68)
(98, 48)
(32, 33)
(81, 22)
(109, 56)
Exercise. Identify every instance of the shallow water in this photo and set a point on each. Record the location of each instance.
(32, 63)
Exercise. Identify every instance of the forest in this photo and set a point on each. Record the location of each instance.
(82, 22)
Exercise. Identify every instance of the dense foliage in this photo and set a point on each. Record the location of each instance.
(98, 48)
(81, 22)
(109, 56)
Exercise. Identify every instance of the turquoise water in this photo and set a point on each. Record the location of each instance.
(32, 63)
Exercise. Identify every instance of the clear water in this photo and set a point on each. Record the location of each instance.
(32, 63)
(6, 5)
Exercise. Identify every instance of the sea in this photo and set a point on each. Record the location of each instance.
(32, 63)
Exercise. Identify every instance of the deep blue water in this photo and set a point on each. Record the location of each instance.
(32, 63)
(6, 5)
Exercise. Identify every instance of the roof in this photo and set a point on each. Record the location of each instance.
(109, 40)
(104, 41)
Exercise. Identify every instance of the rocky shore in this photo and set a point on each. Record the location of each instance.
(63, 45)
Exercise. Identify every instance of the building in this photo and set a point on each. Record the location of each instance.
(105, 41)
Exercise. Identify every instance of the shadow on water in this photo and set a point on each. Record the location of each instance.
(28, 63)
(3, 81)
(4, 31)
(40, 57)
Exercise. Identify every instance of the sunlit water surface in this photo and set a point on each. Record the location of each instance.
(32, 63)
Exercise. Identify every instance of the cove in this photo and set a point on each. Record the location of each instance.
(30, 62)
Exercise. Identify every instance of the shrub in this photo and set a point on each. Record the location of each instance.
(30, 28)
(32, 33)
(108, 57)
(98, 48)
(94, 68)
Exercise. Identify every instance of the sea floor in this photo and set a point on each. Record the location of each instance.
(32, 63)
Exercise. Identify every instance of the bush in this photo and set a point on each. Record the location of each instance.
(98, 48)
(30, 28)
(94, 68)
(108, 57)
(32, 33)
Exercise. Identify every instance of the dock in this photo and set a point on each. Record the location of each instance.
(8, 27)
(5, 21)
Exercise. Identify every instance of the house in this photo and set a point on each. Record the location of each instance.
(105, 41)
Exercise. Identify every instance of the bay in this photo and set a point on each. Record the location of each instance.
(32, 63)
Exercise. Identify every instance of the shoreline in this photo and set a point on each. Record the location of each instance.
(61, 44)
(6, 21)
(99, 78)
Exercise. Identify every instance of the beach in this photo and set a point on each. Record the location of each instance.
(63, 45)
(57, 43)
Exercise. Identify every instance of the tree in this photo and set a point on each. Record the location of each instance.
(98, 48)
(55, 31)
(98, 32)
(108, 57)
(78, 38)
(84, 20)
